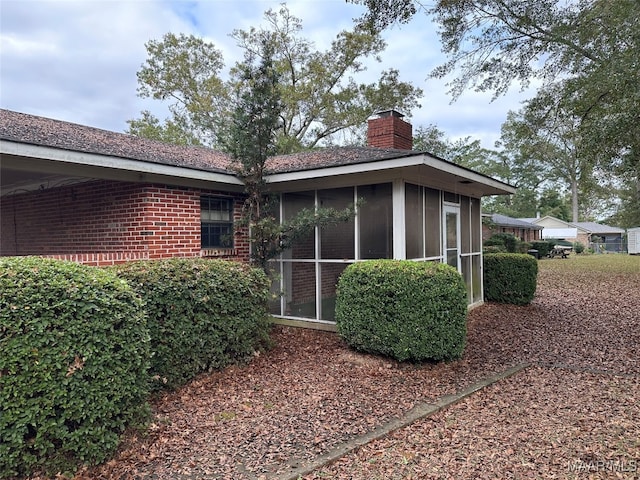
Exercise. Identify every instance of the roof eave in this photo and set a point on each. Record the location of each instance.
(76, 159)
(490, 185)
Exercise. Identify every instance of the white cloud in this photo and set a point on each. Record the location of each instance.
(77, 60)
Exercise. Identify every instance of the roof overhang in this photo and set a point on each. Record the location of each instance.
(25, 166)
(421, 169)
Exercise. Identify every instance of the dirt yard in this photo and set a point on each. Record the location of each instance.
(573, 413)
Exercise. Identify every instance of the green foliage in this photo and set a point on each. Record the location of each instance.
(585, 55)
(319, 89)
(510, 278)
(401, 309)
(202, 314)
(578, 247)
(542, 246)
(73, 369)
(507, 240)
(498, 248)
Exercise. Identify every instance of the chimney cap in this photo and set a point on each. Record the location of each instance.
(389, 113)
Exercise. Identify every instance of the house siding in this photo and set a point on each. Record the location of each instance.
(106, 222)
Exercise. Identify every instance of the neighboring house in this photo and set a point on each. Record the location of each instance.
(74, 192)
(593, 235)
(555, 228)
(496, 223)
(600, 237)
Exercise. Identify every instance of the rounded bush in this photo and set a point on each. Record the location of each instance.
(202, 314)
(406, 310)
(510, 278)
(73, 369)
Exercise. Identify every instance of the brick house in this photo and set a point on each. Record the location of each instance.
(599, 237)
(74, 192)
(497, 223)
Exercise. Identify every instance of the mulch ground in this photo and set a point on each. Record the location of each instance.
(572, 414)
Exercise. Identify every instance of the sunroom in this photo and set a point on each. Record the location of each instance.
(410, 206)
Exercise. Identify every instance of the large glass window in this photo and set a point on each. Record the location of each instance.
(375, 218)
(216, 222)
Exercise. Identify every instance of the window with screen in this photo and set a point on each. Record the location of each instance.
(216, 220)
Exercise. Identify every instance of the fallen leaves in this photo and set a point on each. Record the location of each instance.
(311, 393)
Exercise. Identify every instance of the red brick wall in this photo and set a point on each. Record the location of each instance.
(390, 132)
(105, 222)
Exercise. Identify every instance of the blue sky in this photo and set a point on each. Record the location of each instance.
(77, 60)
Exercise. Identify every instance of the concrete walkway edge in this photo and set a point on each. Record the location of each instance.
(421, 410)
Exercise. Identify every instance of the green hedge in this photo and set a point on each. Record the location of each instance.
(202, 314)
(405, 310)
(510, 278)
(73, 369)
(543, 247)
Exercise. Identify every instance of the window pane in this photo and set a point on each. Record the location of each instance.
(376, 221)
(432, 223)
(300, 289)
(414, 221)
(465, 226)
(476, 230)
(476, 276)
(466, 274)
(276, 290)
(337, 242)
(216, 227)
(329, 274)
(293, 203)
(452, 230)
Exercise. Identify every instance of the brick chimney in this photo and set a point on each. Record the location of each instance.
(390, 131)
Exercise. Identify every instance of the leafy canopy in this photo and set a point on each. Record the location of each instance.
(320, 95)
(251, 139)
(583, 54)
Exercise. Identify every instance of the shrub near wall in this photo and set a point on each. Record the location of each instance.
(405, 310)
(202, 314)
(510, 278)
(73, 368)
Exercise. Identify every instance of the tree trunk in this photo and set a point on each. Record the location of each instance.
(574, 200)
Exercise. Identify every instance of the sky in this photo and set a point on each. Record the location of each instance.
(77, 60)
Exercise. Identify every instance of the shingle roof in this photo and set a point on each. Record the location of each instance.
(505, 221)
(31, 129)
(593, 227)
(332, 157)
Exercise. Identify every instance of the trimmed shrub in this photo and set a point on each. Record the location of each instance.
(73, 369)
(578, 247)
(510, 278)
(542, 246)
(494, 249)
(507, 240)
(401, 309)
(202, 314)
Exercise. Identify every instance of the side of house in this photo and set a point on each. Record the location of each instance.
(523, 230)
(84, 194)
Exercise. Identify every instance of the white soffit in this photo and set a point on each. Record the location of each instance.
(75, 158)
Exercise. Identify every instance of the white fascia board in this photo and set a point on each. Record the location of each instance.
(117, 163)
(394, 163)
(467, 174)
(344, 169)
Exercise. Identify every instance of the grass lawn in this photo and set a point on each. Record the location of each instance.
(608, 263)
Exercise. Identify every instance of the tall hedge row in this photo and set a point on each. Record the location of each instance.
(73, 366)
(405, 310)
(510, 278)
(202, 314)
